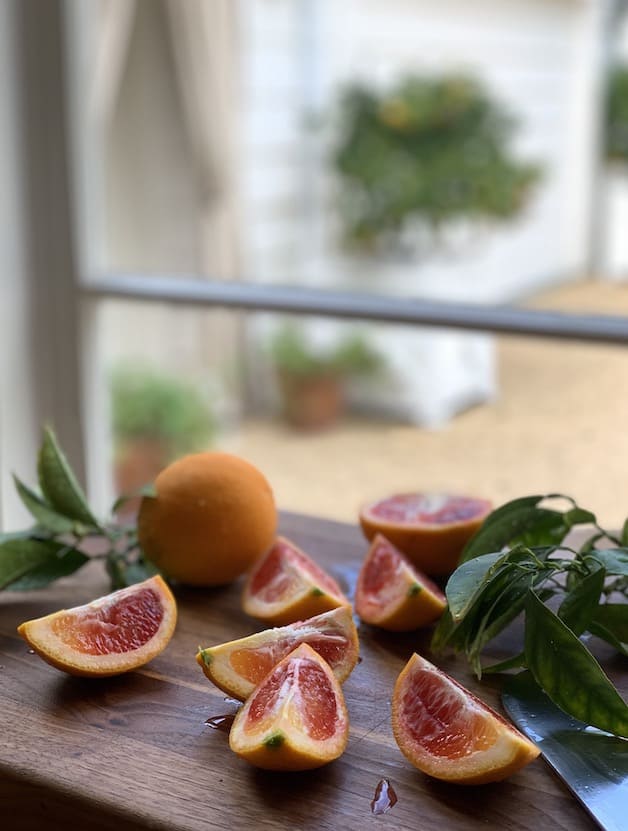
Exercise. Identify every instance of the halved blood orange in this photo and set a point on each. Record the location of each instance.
(237, 667)
(392, 594)
(112, 634)
(295, 719)
(286, 585)
(448, 733)
(430, 528)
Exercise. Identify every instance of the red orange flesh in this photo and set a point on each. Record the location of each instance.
(448, 733)
(113, 634)
(430, 528)
(392, 593)
(295, 719)
(238, 666)
(287, 585)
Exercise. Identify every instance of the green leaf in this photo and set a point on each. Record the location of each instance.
(614, 560)
(467, 580)
(578, 516)
(564, 668)
(18, 557)
(503, 666)
(148, 490)
(140, 570)
(580, 604)
(519, 520)
(59, 485)
(65, 562)
(41, 511)
(443, 632)
(124, 572)
(624, 534)
(606, 635)
(614, 617)
(505, 607)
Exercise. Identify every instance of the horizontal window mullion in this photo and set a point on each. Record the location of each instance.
(360, 306)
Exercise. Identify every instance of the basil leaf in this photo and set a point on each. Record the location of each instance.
(20, 556)
(40, 510)
(63, 563)
(513, 521)
(564, 668)
(624, 533)
(58, 483)
(581, 602)
(614, 560)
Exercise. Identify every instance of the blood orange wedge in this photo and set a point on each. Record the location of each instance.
(113, 634)
(392, 594)
(237, 667)
(448, 733)
(295, 719)
(287, 585)
(430, 528)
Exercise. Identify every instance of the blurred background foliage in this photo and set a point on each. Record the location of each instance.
(431, 150)
(150, 405)
(617, 115)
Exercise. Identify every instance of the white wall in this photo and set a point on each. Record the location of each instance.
(541, 59)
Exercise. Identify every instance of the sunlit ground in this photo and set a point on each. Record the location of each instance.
(560, 424)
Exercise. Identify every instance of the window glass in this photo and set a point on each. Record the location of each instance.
(459, 152)
(549, 417)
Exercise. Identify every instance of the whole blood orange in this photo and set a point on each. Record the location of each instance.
(430, 528)
(238, 666)
(448, 733)
(113, 634)
(287, 585)
(392, 594)
(213, 516)
(295, 719)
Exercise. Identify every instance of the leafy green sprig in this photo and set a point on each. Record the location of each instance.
(66, 534)
(519, 562)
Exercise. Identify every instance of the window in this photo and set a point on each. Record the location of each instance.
(205, 149)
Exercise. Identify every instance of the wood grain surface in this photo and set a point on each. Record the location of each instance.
(134, 752)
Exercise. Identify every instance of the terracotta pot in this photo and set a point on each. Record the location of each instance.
(312, 402)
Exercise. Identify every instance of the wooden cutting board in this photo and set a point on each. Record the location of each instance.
(135, 752)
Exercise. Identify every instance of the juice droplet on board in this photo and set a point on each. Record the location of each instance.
(222, 722)
(385, 797)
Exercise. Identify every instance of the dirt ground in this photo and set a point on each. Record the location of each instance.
(560, 424)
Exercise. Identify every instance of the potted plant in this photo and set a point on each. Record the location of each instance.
(155, 418)
(426, 153)
(312, 380)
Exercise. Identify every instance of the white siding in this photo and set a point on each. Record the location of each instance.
(538, 57)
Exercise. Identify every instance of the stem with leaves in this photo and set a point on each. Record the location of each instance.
(518, 563)
(55, 546)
